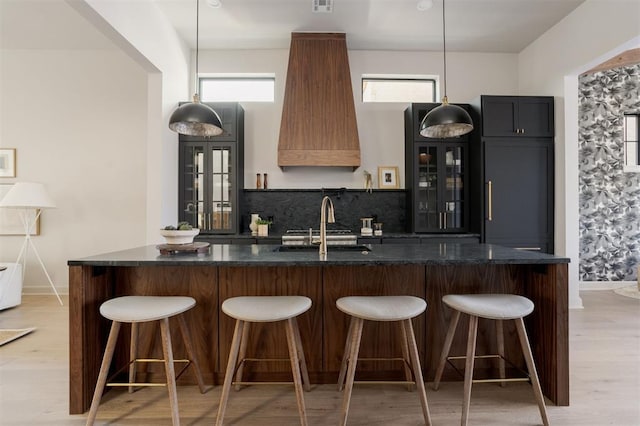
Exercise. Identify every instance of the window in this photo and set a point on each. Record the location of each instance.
(631, 141)
(406, 89)
(237, 89)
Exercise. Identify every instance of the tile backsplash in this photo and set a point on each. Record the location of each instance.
(300, 208)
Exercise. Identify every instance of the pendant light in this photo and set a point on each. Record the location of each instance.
(195, 118)
(446, 120)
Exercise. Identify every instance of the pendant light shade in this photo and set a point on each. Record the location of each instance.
(446, 120)
(195, 118)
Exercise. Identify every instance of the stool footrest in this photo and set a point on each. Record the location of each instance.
(526, 377)
(146, 360)
(384, 382)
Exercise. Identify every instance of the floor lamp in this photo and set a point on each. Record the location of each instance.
(30, 198)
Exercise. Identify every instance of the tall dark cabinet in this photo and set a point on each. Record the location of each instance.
(514, 155)
(211, 178)
(436, 177)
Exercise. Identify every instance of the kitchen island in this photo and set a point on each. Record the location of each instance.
(428, 271)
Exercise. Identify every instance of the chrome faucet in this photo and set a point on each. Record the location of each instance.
(326, 215)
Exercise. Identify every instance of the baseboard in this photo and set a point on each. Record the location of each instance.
(605, 285)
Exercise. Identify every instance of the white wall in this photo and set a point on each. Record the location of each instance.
(380, 126)
(594, 32)
(78, 122)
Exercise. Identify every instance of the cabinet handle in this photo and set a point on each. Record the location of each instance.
(490, 196)
(529, 248)
(440, 220)
(444, 215)
(522, 131)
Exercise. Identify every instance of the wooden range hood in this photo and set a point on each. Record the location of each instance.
(318, 126)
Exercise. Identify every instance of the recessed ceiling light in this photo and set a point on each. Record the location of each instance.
(214, 3)
(424, 5)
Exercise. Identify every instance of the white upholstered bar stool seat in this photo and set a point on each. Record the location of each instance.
(399, 309)
(248, 309)
(498, 307)
(139, 309)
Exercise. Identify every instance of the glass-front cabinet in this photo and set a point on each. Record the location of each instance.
(210, 179)
(439, 192)
(436, 177)
(208, 193)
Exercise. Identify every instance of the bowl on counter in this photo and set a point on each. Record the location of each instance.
(175, 236)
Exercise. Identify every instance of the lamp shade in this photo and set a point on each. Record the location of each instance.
(27, 195)
(446, 121)
(195, 119)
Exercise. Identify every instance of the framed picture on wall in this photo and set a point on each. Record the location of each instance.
(7, 162)
(11, 219)
(388, 177)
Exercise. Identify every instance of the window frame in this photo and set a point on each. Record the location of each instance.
(433, 79)
(628, 166)
(202, 79)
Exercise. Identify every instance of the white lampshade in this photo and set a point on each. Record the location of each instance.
(27, 195)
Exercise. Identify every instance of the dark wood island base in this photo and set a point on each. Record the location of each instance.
(323, 328)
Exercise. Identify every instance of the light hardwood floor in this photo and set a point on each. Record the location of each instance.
(605, 383)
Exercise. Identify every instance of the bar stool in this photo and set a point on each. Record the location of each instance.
(248, 309)
(497, 307)
(138, 309)
(381, 308)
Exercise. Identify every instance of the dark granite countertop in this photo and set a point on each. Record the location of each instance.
(267, 255)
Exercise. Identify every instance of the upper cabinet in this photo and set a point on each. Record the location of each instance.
(210, 175)
(520, 116)
(436, 177)
(513, 156)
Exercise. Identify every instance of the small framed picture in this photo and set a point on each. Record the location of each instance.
(7, 162)
(388, 177)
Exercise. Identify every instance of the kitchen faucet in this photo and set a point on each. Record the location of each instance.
(326, 215)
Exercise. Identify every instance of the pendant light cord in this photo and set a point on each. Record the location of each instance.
(197, 47)
(444, 51)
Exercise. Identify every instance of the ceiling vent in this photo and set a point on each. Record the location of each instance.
(318, 126)
(322, 6)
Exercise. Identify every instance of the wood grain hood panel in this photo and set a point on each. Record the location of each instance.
(318, 126)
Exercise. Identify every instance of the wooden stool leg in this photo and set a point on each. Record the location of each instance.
(104, 372)
(533, 373)
(446, 348)
(354, 347)
(301, 357)
(133, 354)
(242, 354)
(500, 341)
(295, 369)
(169, 370)
(188, 344)
(405, 355)
(231, 366)
(345, 354)
(417, 370)
(468, 369)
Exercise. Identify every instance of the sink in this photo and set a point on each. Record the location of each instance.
(307, 248)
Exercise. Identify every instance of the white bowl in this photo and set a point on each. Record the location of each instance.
(174, 236)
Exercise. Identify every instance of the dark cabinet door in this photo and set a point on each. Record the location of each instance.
(519, 116)
(519, 193)
(439, 187)
(208, 196)
(210, 175)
